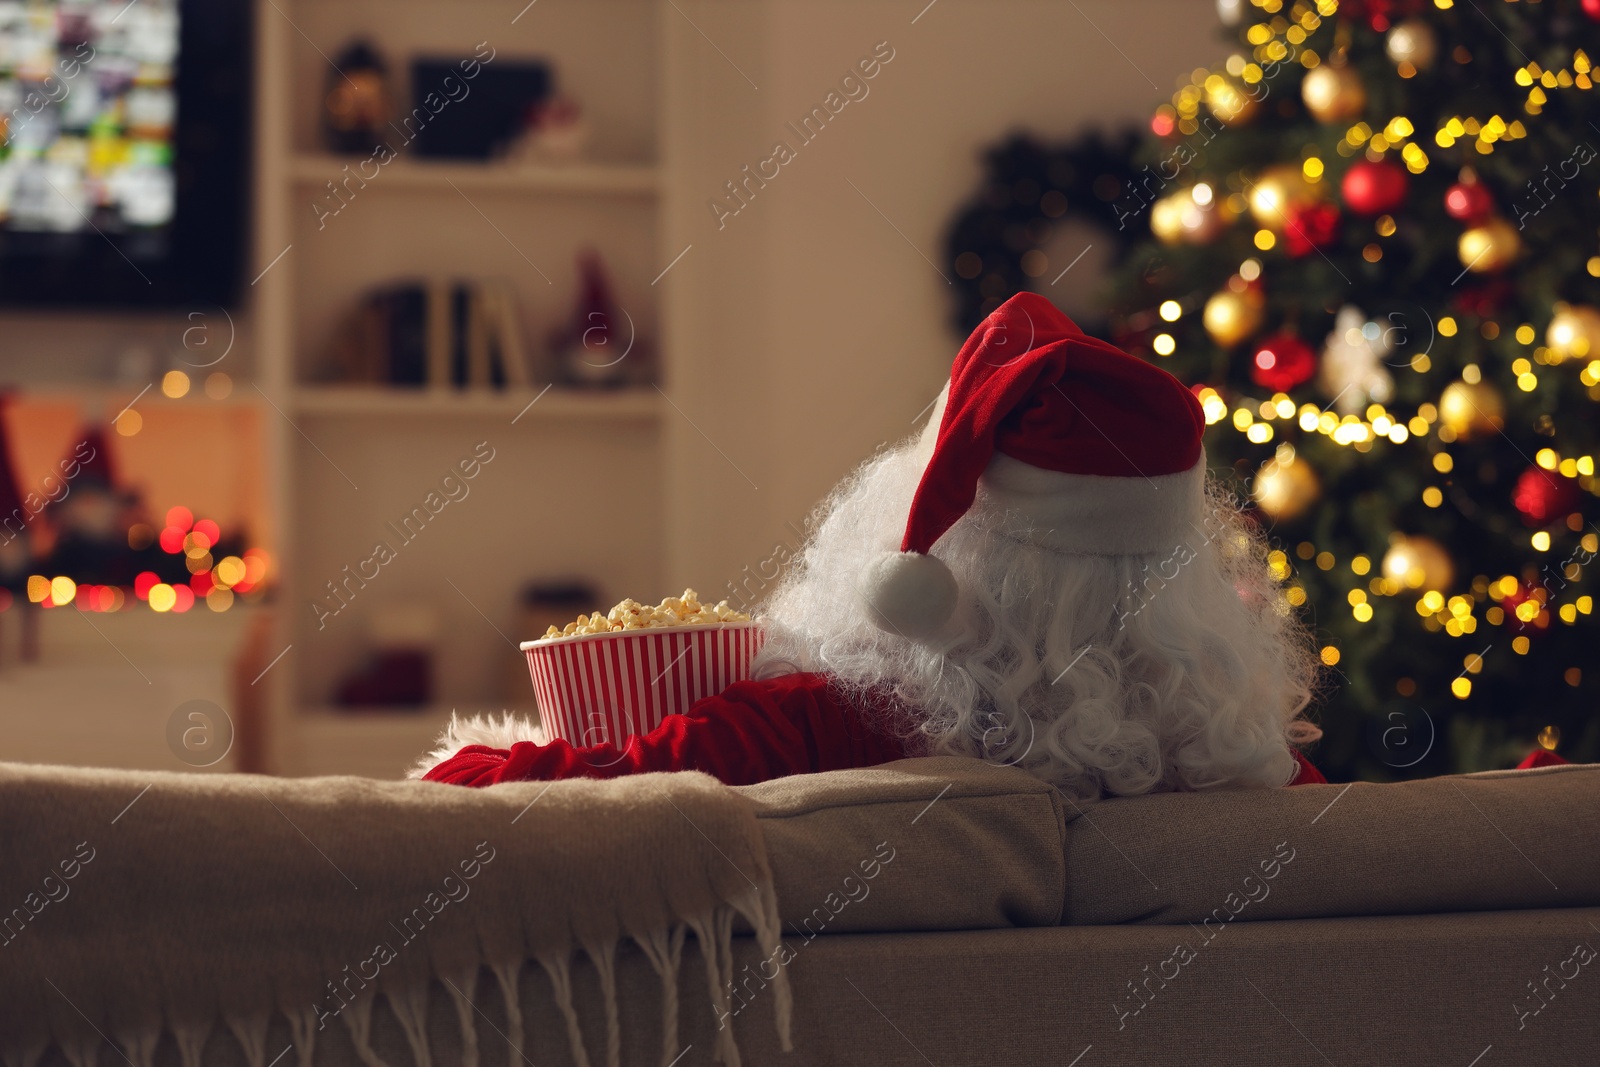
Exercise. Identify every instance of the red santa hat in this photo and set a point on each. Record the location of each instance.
(1096, 451)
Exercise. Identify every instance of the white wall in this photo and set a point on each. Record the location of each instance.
(817, 330)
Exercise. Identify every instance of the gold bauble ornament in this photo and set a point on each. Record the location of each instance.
(1230, 101)
(1231, 317)
(1333, 94)
(1192, 216)
(1277, 192)
(1166, 217)
(1413, 41)
(1574, 332)
(1417, 562)
(1285, 487)
(1489, 247)
(1471, 409)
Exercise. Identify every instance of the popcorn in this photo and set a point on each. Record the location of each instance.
(685, 610)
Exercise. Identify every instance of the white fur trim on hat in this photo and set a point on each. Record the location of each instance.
(478, 730)
(1098, 515)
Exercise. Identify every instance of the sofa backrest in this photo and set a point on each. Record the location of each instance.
(1494, 841)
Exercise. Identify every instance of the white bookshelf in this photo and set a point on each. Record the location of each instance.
(575, 489)
(579, 179)
(525, 405)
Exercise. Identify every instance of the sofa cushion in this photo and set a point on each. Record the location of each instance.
(943, 843)
(1479, 842)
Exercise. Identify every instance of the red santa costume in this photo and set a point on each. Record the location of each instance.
(1042, 578)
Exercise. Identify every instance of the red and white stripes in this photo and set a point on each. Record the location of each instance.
(602, 688)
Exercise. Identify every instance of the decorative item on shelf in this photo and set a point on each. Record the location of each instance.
(1471, 409)
(358, 100)
(1353, 370)
(1231, 315)
(1374, 187)
(600, 345)
(16, 514)
(90, 521)
(1489, 247)
(1416, 562)
(488, 101)
(1285, 487)
(542, 604)
(437, 333)
(554, 131)
(1333, 93)
(1573, 333)
(1468, 200)
(398, 670)
(1541, 497)
(16, 548)
(1282, 362)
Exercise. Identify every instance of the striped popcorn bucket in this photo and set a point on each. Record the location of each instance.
(601, 688)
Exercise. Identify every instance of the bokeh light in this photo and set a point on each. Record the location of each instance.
(230, 570)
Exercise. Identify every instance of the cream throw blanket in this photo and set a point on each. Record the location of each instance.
(134, 903)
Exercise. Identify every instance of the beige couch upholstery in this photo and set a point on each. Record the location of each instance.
(951, 912)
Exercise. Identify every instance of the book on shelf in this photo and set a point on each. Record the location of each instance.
(438, 333)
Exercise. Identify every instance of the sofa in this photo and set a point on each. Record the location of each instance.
(933, 911)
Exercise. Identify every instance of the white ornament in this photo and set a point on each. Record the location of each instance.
(1353, 370)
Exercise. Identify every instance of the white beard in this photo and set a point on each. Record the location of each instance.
(1100, 674)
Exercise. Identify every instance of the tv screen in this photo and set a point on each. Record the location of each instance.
(123, 128)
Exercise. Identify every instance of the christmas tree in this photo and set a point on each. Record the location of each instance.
(1369, 241)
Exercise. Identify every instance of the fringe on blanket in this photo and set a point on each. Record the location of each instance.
(409, 1004)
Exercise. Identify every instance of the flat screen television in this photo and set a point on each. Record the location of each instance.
(124, 131)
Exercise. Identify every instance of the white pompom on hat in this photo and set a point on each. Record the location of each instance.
(1098, 453)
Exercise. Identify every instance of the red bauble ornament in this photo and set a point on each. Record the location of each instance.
(1470, 202)
(1282, 362)
(1375, 188)
(1544, 496)
(1592, 9)
(1380, 14)
(1309, 228)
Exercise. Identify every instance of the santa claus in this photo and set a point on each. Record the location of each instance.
(1043, 577)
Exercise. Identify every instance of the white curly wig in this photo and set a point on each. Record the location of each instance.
(1121, 675)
